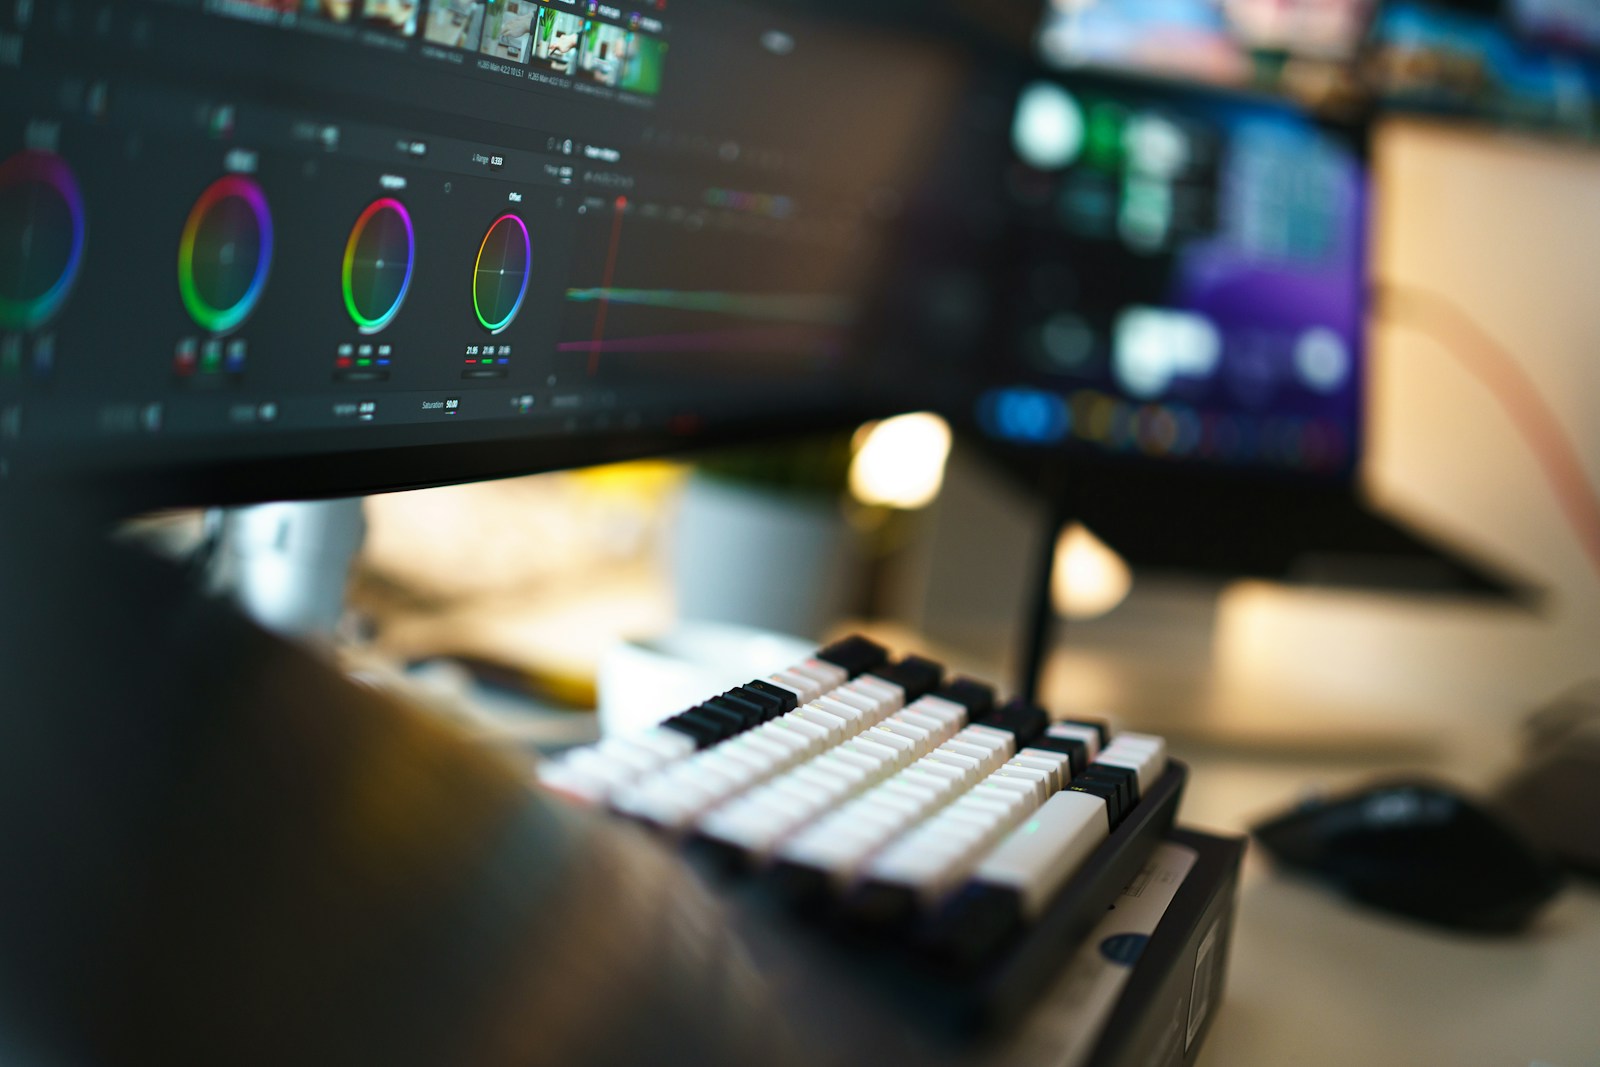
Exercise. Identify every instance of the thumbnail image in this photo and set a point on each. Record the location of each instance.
(332, 10)
(398, 17)
(508, 30)
(560, 36)
(455, 23)
(246, 8)
(641, 66)
(601, 57)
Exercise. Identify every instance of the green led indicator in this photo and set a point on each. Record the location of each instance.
(363, 362)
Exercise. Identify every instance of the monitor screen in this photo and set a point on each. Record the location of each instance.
(1520, 64)
(1184, 281)
(258, 248)
(1302, 48)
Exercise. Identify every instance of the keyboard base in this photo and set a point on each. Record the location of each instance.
(949, 979)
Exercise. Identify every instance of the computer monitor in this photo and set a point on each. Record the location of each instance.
(1534, 64)
(1168, 293)
(258, 249)
(1307, 49)
(1185, 281)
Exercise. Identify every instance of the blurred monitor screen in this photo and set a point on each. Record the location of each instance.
(1184, 282)
(1204, 40)
(1571, 24)
(1471, 60)
(252, 248)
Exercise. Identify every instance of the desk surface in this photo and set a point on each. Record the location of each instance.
(1313, 978)
(1317, 980)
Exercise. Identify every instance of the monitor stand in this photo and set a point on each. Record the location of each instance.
(1044, 624)
(287, 565)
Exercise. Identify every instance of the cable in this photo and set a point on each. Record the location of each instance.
(1439, 317)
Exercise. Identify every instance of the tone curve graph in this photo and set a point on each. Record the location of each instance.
(822, 309)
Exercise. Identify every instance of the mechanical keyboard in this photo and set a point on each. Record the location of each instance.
(966, 845)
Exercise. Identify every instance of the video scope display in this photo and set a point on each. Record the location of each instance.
(1183, 280)
(257, 229)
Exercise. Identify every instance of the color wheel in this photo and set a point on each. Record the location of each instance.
(41, 238)
(377, 264)
(225, 253)
(500, 276)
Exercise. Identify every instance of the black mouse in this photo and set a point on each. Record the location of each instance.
(1421, 850)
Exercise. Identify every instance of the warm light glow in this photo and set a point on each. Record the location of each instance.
(1090, 579)
(900, 461)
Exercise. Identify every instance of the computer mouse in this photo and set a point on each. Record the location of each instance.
(1418, 849)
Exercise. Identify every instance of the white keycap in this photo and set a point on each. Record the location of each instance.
(877, 744)
(1000, 741)
(1000, 781)
(596, 766)
(946, 711)
(1072, 732)
(830, 675)
(1150, 746)
(835, 725)
(874, 706)
(1057, 764)
(804, 689)
(893, 692)
(927, 765)
(919, 791)
(1013, 771)
(934, 726)
(922, 739)
(849, 712)
(801, 725)
(775, 733)
(640, 761)
(572, 783)
(1141, 763)
(986, 759)
(1039, 856)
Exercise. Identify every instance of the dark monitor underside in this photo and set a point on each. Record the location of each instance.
(268, 248)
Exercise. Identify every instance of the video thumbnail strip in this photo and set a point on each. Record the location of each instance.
(395, 17)
(565, 43)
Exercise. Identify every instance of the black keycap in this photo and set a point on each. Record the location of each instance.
(882, 906)
(917, 676)
(716, 727)
(976, 697)
(1125, 779)
(729, 722)
(1105, 790)
(1077, 752)
(1096, 725)
(976, 923)
(770, 706)
(702, 732)
(786, 698)
(855, 654)
(1026, 721)
(749, 713)
(1124, 774)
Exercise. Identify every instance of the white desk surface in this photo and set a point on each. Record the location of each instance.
(1317, 980)
(1314, 979)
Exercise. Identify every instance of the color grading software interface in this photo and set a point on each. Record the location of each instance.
(261, 225)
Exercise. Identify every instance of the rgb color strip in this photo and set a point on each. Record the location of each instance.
(21, 310)
(496, 324)
(223, 319)
(366, 322)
